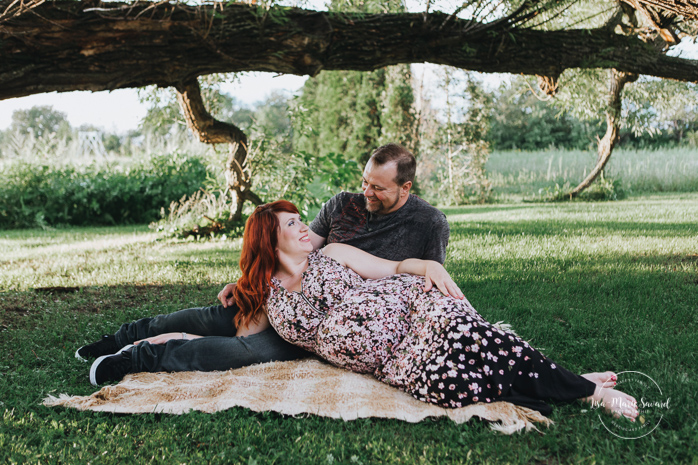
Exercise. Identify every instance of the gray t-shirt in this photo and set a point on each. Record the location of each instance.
(416, 230)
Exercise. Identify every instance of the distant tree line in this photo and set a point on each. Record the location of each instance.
(353, 112)
(660, 114)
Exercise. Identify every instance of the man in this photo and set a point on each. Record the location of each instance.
(386, 221)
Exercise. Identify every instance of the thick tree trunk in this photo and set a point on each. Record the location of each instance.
(70, 45)
(212, 131)
(617, 82)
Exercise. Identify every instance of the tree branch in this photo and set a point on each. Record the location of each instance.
(617, 82)
(686, 8)
(212, 131)
(208, 129)
(65, 46)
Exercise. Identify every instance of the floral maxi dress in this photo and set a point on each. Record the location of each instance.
(437, 348)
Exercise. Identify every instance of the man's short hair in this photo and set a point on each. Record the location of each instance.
(406, 163)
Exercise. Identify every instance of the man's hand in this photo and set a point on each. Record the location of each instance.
(226, 295)
(437, 275)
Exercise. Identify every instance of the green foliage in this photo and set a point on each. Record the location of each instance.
(301, 177)
(49, 194)
(365, 122)
(354, 112)
(660, 112)
(655, 112)
(164, 112)
(112, 143)
(598, 286)
(398, 118)
(328, 104)
(602, 189)
(271, 121)
(454, 171)
(39, 131)
(583, 93)
(204, 214)
(524, 122)
(40, 121)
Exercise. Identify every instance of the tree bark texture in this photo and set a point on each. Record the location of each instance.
(212, 131)
(618, 80)
(686, 8)
(662, 14)
(69, 45)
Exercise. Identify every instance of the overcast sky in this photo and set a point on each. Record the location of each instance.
(120, 110)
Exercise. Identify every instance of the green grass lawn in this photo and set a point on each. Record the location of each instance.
(596, 286)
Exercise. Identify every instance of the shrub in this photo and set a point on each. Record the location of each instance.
(201, 215)
(298, 177)
(602, 189)
(41, 194)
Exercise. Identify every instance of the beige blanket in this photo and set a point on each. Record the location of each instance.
(307, 386)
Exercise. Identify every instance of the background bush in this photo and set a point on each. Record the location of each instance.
(49, 194)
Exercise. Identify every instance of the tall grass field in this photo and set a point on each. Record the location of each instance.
(595, 286)
(515, 175)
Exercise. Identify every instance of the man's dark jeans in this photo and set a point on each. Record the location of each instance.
(220, 350)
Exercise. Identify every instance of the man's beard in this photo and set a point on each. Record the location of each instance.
(381, 209)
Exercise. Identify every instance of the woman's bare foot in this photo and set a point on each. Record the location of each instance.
(614, 402)
(607, 379)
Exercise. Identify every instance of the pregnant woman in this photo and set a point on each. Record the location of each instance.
(376, 316)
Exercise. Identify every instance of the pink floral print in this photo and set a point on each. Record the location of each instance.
(437, 348)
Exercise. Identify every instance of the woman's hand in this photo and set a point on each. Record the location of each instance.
(163, 338)
(436, 274)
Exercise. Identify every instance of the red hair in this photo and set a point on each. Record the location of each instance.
(258, 260)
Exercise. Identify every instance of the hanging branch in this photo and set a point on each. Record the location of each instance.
(16, 8)
(212, 131)
(617, 82)
(69, 45)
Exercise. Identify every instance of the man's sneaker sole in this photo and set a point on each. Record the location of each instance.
(95, 364)
(80, 357)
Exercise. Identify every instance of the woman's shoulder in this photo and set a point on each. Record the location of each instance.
(334, 258)
(317, 261)
(321, 258)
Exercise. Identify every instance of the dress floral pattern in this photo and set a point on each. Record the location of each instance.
(437, 348)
